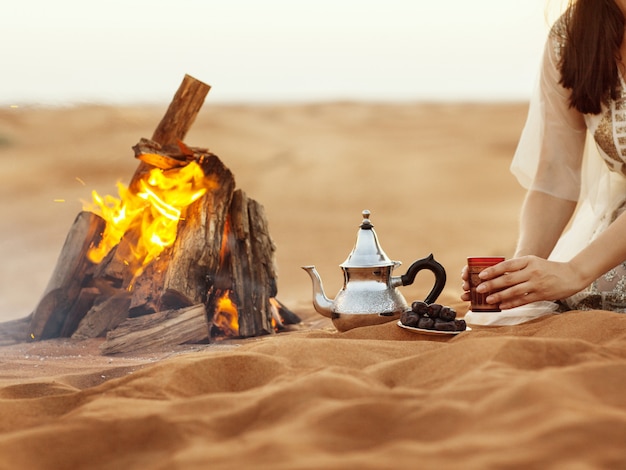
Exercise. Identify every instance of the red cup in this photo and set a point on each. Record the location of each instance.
(475, 264)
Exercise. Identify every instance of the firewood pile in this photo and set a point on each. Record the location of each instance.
(183, 256)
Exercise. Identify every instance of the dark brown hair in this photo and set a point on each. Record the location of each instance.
(593, 30)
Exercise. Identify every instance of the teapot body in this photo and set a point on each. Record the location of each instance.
(367, 298)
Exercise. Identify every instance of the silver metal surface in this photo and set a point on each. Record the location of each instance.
(367, 250)
(368, 296)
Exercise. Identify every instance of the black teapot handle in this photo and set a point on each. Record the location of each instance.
(432, 265)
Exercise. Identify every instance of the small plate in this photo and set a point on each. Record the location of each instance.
(431, 332)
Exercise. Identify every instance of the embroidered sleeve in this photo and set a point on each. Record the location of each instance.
(549, 154)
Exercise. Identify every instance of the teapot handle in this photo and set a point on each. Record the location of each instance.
(432, 265)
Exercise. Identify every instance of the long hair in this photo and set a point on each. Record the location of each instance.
(594, 30)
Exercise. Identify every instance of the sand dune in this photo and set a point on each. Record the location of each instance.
(546, 394)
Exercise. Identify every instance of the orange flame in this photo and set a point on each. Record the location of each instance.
(226, 317)
(278, 322)
(154, 210)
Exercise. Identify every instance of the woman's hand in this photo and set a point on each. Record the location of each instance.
(520, 281)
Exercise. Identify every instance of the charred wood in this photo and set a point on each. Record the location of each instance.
(182, 273)
(170, 156)
(86, 298)
(283, 317)
(158, 330)
(14, 331)
(103, 317)
(72, 270)
(250, 265)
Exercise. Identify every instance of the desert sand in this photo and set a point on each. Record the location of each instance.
(544, 394)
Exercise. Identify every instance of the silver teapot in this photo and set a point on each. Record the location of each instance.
(369, 295)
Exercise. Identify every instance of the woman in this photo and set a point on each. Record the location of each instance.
(579, 108)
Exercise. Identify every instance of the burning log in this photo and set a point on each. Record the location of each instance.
(162, 329)
(182, 271)
(182, 255)
(168, 156)
(251, 262)
(72, 269)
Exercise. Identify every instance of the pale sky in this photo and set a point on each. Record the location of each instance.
(137, 51)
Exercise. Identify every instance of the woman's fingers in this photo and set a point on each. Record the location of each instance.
(508, 280)
(518, 291)
(508, 266)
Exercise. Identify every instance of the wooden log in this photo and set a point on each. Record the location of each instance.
(14, 331)
(72, 269)
(178, 118)
(263, 249)
(118, 266)
(252, 266)
(158, 330)
(85, 300)
(194, 261)
(167, 157)
(145, 289)
(283, 317)
(182, 274)
(103, 317)
(154, 154)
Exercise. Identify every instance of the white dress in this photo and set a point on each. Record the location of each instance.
(578, 157)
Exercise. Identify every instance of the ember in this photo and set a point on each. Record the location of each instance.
(225, 319)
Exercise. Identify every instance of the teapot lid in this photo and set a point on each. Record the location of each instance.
(367, 251)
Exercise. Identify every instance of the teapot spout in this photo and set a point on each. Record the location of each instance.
(321, 303)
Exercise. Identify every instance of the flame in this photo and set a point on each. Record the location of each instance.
(226, 317)
(154, 211)
(278, 322)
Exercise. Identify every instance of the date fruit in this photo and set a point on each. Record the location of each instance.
(432, 317)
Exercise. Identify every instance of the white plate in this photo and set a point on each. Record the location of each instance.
(431, 332)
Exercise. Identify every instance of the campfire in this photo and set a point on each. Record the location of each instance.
(180, 255)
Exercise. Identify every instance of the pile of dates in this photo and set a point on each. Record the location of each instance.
(432, 317)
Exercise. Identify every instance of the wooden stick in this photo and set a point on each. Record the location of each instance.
(182, 111)
(178, 118)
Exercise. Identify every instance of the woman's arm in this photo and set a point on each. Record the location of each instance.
(543, 220)
(530, 278)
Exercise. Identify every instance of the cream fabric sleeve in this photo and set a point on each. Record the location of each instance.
(549, 153)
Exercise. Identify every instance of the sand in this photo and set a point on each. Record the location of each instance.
(545, 394)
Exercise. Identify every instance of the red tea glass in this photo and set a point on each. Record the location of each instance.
(475, 264)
